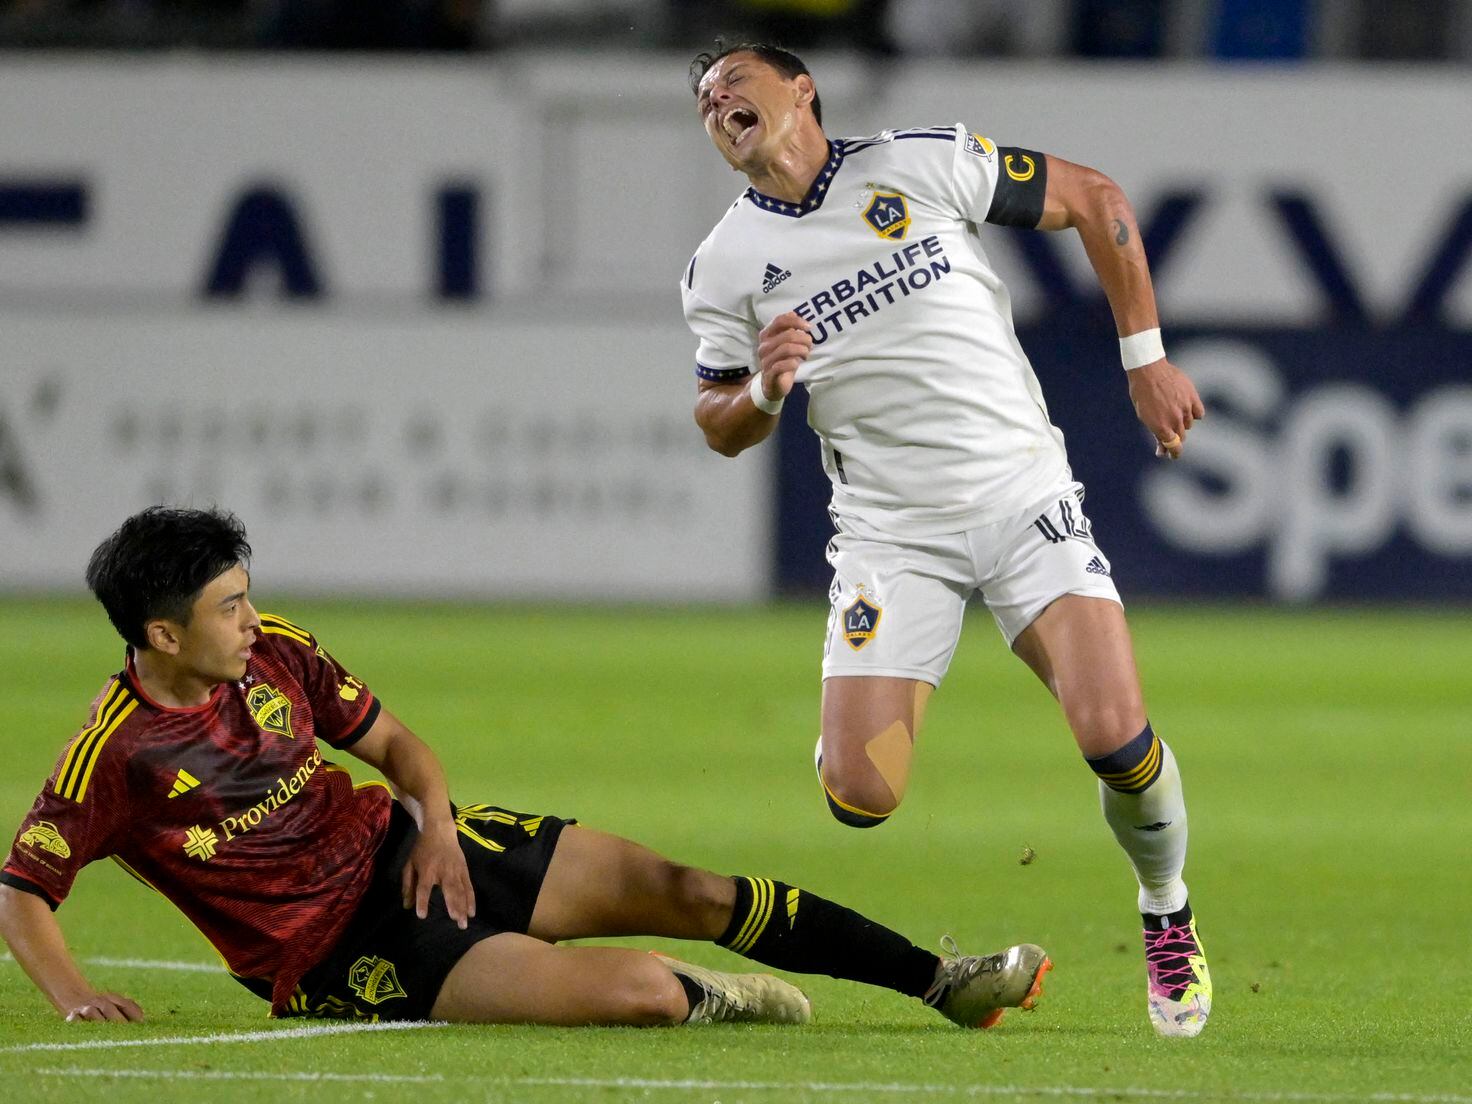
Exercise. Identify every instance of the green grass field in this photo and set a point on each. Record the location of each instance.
(1328, 766)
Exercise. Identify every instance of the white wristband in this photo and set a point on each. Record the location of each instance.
(1141, 349)
(759, 397)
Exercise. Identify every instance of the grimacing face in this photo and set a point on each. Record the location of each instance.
(750, 111)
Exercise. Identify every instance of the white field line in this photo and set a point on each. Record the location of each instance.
(155, 964)
(644, 1085)
(142, 964)
(244, 1075)
(238, 1037)
(1055, 1091)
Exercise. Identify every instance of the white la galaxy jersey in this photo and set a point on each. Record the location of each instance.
(930, 416)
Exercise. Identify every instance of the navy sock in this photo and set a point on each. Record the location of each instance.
(1132, 768)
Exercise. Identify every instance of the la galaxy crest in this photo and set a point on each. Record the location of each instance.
(860, 621)
(271, 709)
(888, 215)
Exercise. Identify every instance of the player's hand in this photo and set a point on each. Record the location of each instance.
(436, 860)
(1167, 403)
(781, 348)
(105, 1006)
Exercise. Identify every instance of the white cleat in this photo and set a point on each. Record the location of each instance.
(742, 998)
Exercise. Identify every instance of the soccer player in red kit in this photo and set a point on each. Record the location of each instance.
(200, 773)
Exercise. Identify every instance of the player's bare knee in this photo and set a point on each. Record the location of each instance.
(858, 798)
(863, 789)
(653, 996)
(1103, 728)
(864, 774)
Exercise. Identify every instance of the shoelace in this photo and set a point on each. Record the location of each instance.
(733, 1002)
(1168, 958)
(954, 969)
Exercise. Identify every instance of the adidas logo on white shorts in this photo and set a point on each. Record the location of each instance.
(1096, 566)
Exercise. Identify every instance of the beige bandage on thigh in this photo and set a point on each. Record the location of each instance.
(891, 750)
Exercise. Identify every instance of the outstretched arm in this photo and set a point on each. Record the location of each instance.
(730, 414)
(36, 941)
(436, 859)
(1089, 202)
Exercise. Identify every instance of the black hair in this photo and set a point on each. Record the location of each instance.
(784, 61)
(158, 561)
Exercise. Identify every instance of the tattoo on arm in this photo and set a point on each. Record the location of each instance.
(1121, 232)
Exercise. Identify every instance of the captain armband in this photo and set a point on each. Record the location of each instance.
(1022, 185)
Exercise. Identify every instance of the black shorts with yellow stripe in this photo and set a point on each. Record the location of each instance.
(389, 964)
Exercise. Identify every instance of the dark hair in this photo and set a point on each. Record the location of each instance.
(158, 561)
(784, 61)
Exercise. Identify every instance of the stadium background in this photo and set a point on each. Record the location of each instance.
(397, 283)
(395, 307)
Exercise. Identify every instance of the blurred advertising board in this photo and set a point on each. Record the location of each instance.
(1311, 249)
(1333, 464)
(430, 458)
(1270, 196)
(1312, 256)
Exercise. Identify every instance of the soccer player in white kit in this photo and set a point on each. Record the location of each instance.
(854, 267)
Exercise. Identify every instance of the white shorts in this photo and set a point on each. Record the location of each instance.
(896, 608)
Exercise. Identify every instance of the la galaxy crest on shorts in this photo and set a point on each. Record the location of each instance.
(860, 622)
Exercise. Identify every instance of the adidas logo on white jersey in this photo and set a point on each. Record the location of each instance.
(774, 276)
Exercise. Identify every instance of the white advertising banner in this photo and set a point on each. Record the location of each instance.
(435, 458)
(165, 152)
(1287, 192)
(418, 320)
(1270, 196)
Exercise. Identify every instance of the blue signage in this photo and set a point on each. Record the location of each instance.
(1335, 463)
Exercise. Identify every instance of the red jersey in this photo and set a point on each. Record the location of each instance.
(228, 809)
